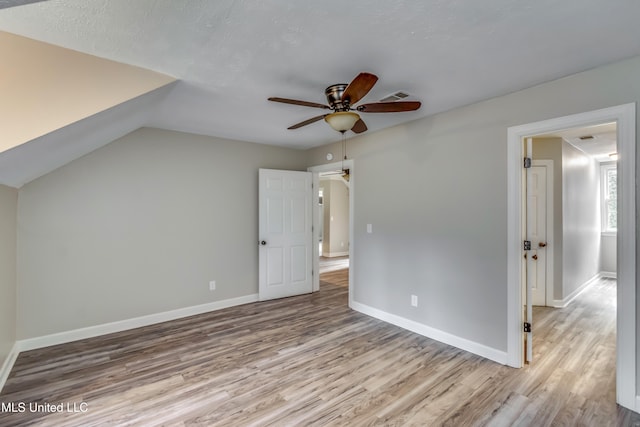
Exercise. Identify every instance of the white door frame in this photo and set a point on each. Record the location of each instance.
(548, 164)
(625, 116)
(347, 164)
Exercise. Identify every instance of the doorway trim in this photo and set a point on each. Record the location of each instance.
(625, 117)
(316, 170)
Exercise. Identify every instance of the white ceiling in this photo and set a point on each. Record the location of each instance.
(597, 141)
(229, 56)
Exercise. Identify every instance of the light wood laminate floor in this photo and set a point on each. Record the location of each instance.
(310, 360)
(328, 264)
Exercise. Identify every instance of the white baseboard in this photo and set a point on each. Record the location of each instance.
(609, 274)
(561, 303)
(123, 325)
(433, 333)
(7, 365)
(335, 254)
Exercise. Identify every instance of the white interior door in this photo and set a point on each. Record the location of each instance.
(537, 232)
(285, 233)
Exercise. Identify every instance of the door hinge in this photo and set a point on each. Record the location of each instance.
(527, 245)
(527, 327)
(527, 162)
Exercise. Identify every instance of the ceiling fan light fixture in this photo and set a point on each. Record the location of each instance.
(342, 121)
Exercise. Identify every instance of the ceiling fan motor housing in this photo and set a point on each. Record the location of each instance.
(334, 97)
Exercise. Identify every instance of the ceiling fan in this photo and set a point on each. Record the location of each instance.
(342, 98)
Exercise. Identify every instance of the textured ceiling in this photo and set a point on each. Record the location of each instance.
(597, 141)
(231, 55)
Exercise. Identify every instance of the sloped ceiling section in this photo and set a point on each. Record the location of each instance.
(45, 88)
(45, 154)
(11, 3)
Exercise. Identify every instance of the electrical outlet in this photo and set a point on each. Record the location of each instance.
(414, 300)
(212, 285)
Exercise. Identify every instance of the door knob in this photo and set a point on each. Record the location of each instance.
(263, 242)
(535, 256)
(542, 245)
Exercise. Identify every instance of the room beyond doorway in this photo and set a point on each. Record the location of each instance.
(333, 232)
(333, 204)
(625, 117)
(342, 244)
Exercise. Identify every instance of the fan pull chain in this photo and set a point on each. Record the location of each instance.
(344, 149)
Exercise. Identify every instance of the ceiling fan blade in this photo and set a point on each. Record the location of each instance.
(359, 87)
(359, 127)
(307, 122)
(389, 107)
(297, 102)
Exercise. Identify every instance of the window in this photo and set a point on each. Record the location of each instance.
(609, 200)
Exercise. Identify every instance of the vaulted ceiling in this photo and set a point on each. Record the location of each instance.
(229, 56)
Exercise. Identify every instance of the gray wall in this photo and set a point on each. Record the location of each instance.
(581, 226)
(440, 220)
(609, 257)
(139, 227)
(8, 212)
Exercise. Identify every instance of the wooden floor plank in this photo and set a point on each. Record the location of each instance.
(310, 360)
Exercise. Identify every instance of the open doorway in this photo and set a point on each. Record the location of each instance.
(334, 216)
(574, 204)
(571, 222)
(333, 224)
(625, 342)
(333, 202)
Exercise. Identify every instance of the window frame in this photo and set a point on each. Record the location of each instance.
(604, 198)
